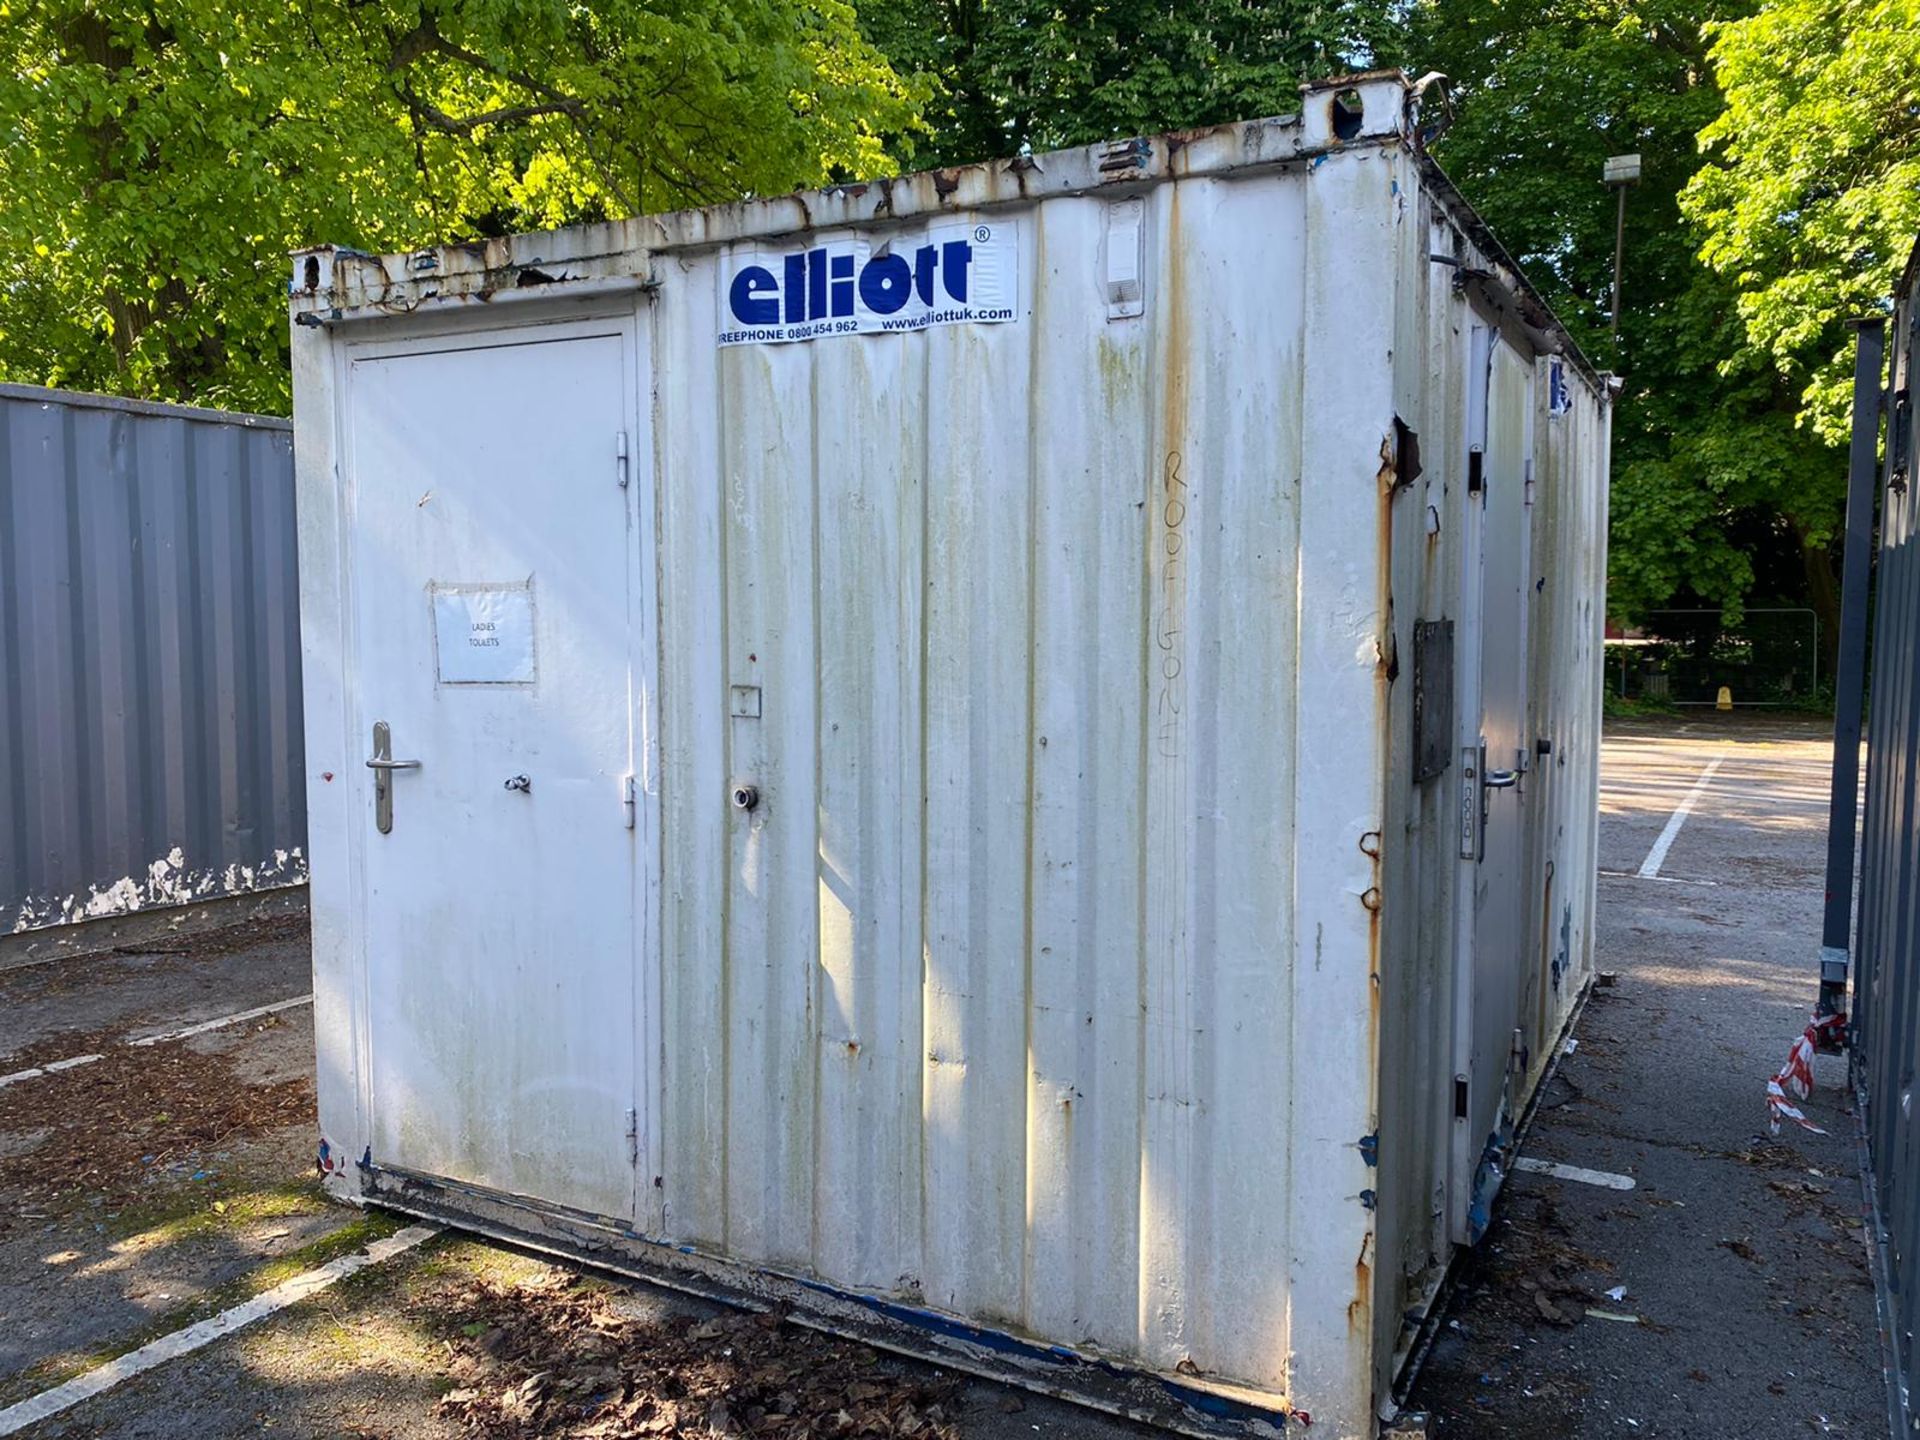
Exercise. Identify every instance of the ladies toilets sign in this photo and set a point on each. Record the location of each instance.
(961, 274)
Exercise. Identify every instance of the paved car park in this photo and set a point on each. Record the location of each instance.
(167, 1180)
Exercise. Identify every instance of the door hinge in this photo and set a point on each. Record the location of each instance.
(620, 457)
(629, 797)
(633, 1137)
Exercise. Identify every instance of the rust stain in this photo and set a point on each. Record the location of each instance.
(1360, 1311)
(1543, 983)
(1361, 1306)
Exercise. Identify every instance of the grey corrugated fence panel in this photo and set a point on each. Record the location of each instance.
(150, 721)
(1886, 1001)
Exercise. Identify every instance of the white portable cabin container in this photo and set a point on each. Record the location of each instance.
(1006, 757)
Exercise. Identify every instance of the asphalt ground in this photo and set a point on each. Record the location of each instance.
(1745, 1303)
(162, 1184)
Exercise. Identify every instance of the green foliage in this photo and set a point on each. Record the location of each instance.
(1052, 73)
(1713, 483)
(1718, 494)
(1812, 208)
(160, 159)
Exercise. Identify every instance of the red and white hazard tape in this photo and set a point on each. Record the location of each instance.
(1796, 1076)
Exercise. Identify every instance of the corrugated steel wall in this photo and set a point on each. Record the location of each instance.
(1886, 1003)
(1045, 985)
(1568, 525)
(150, 722)
(1059, 657)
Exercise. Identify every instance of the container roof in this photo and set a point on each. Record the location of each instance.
(1376, 109)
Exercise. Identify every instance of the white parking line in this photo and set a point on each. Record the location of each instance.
(194, 1337)
(1604, 1178)
(1663, 879)
(217, 1023)
(1656, 857)
(47, 1069)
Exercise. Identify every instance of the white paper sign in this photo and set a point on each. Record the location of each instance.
(483, 634)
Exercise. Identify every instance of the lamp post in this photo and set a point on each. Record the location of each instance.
(1619, 172)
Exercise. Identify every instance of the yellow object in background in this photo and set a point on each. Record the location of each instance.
(1725, 702)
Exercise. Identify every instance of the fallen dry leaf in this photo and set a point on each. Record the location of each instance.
(559, 1359)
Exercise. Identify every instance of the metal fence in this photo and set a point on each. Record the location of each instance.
(150, 735)
(1886, 993)
(1771, 657)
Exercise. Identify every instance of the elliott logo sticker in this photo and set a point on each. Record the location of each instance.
(964, 274)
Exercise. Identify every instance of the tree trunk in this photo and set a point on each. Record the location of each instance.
(1823, 589)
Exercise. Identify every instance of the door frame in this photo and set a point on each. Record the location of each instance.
(1478, 339)
(624, 316)
(1482, 338)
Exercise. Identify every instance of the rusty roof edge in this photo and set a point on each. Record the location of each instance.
(1478, 231)
(328, 279)
(1909, 282)
(1354, 78)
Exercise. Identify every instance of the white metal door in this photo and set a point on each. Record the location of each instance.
(1493, 765)
(492, 570)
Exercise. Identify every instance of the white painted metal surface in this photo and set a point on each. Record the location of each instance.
(501, 947)
(1032, 916)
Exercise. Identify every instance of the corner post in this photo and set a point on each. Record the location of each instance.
(1849, 682)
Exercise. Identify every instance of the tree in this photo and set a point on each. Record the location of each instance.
(1716, 491)
(1813, 203)
(160, 159)
(1011, 74)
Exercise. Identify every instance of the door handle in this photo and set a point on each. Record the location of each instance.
(382, 763)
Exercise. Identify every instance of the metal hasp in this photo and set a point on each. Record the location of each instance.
(1849, 681)
(1432, 698)
(383, 765)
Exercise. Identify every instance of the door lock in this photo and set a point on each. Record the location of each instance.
(383, 765)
